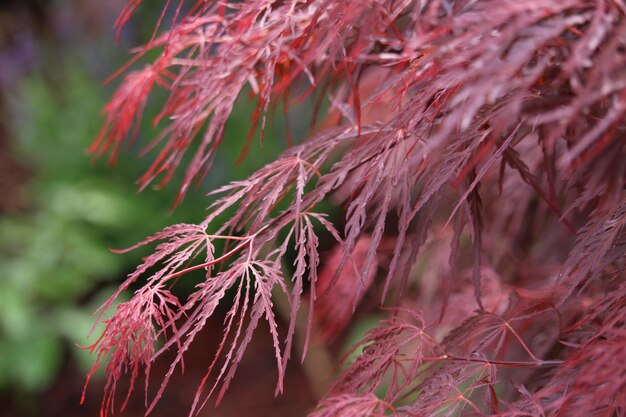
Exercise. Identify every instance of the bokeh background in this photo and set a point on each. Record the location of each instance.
(61, 212)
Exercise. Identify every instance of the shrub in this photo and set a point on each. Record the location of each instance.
(477, 151)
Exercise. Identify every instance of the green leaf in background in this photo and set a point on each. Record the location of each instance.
(55, 257)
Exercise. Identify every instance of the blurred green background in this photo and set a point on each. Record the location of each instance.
(60, 211)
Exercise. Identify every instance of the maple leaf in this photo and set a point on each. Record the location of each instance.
(500, 135)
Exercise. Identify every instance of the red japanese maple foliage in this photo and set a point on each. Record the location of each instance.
(478, 149)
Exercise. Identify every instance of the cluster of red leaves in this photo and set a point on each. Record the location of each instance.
(490, 151)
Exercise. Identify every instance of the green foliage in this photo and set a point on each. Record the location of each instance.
(55, 257)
